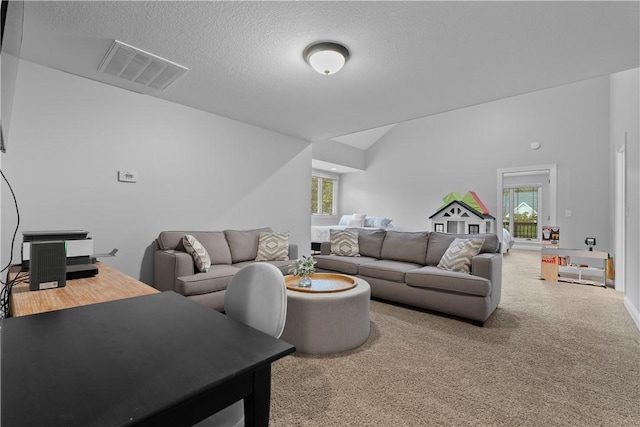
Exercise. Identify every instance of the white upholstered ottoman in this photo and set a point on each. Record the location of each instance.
(322, 323)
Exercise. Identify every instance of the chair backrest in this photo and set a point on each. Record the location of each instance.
(257, 297)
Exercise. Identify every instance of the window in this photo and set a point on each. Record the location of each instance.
(520, 211)
(323, 194)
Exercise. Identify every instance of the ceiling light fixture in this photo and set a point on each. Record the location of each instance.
(326, 57)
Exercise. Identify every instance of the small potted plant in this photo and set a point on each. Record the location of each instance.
(303, 268)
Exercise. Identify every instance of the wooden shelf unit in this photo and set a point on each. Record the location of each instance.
(552, 266)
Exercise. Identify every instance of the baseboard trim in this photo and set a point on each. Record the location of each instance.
(633, 312)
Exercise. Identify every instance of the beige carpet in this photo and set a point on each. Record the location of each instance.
(552, 354)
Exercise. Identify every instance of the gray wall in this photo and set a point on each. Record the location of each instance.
(70, 136)
(625, 117)
(412, 167)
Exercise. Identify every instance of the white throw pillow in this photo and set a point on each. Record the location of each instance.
(273, 246)
(198, 252)
(357, 220)
(459, 255)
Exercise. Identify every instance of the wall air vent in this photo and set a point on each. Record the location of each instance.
(135, 65)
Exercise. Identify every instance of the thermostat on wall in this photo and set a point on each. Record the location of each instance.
(127, 176)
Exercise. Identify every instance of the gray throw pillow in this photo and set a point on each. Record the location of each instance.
(273, 246)
(197, 252)
(459, 255)
(344, 242)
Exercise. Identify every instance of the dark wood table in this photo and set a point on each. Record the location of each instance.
(148, 360)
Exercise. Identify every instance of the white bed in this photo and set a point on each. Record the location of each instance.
(320, 233)
(507, 241)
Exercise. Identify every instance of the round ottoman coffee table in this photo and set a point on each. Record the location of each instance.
(326, 322)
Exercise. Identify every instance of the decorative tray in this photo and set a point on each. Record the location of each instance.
(322, 283)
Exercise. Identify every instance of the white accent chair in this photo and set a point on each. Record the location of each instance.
(257, 297)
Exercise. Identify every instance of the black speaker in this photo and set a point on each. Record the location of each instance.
(48, 265)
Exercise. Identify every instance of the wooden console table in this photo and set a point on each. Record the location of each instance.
(108, 285)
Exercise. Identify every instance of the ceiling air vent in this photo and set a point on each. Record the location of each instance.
(135, 65)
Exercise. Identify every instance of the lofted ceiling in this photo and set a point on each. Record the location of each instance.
(408, 59)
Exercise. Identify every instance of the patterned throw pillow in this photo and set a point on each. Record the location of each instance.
(344, 242)
(197, 252)
(273, 246)
(459, 255)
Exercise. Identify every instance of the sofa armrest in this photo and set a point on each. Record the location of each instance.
(325, 248)
(168, 266)
(293, 251)
(489, 266)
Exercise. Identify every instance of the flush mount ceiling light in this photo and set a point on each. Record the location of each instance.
(326, 57)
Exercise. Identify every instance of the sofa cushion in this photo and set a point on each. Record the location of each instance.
(244, 243)
(435, 278)
(342, 264)
(393, 271)
(344, 242)
(405, 246)
(197, 252)
(273, 246)
(439, 243)
(283, 266)
(216, 279)
(459, 255)
(213, 241)
(370, 242)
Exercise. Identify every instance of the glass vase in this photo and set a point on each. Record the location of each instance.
(305, 281)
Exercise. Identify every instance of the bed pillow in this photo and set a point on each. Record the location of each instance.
(357, 220)
(273, 246)
(459, 255)
(377, 222)
(344, 219)
(344, 242)
(197, 252)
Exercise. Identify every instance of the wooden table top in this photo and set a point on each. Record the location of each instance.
(322, 283)
(108, 285)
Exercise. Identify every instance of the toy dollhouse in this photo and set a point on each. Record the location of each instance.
(463, 215)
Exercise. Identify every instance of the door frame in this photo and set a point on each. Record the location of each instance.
(620, 215)
(552, 170)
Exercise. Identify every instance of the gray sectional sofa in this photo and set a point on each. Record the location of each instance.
(402, 267)
(229, 251)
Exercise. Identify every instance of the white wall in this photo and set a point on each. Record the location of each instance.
(417, 163)
(625, 117)
(70, 136)
(342, 154)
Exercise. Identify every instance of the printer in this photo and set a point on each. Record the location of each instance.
(77, 245)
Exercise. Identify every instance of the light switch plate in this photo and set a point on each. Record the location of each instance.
(127, 176)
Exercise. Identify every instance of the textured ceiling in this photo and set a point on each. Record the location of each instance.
(408, 59)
